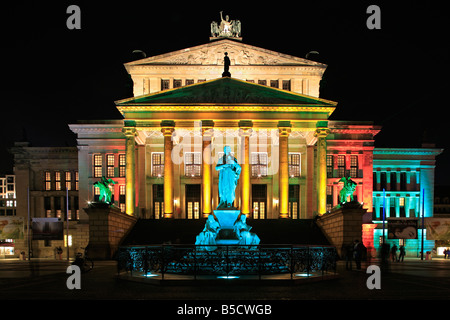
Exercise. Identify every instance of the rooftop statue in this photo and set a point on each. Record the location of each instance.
(229, 171)
(226, 66)
(105, 192)
(226, 28)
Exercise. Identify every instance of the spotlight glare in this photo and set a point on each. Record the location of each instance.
(227, 277)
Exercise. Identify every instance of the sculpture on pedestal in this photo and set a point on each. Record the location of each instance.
(229, 171)
(208, 235)
(227, 226)
(226, 66)
(347, 190)
(226, 28)
(105, 191)
(243, 233)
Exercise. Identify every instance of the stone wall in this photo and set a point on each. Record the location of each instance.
(343, 225)
(107, 227)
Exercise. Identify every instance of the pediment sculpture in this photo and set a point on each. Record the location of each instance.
(226, 28)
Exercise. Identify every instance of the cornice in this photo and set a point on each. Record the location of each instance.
(409, 151)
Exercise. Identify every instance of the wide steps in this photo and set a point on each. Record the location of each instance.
(183, 231)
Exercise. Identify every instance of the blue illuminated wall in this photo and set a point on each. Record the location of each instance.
(413, 246)
(399, 178)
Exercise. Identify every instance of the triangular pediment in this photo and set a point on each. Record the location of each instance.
(212, 54)
(225, 91)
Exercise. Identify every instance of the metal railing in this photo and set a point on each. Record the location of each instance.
(226, 260)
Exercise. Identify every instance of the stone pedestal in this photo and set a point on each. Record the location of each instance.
(226, 219)
(343, 224)
(107, 227)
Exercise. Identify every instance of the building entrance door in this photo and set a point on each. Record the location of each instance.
(193, 200)
(158, 201)
(259, 201)
(294, 195)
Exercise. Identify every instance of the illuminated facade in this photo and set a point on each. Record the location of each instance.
(183, 114)
(163, 153)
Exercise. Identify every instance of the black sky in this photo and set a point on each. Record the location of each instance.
(396, 76)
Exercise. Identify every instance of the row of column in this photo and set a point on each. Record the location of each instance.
(245, 130)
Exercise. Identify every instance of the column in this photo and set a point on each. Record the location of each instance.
(245, 130)
(130, 184)
(207, 134)
(284, 129)
(167, 128)
(321, 134)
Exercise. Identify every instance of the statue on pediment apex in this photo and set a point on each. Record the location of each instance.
(226, 28)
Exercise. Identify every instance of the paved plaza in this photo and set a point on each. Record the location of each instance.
(46, 279)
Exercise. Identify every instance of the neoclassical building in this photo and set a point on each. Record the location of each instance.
(162, 154)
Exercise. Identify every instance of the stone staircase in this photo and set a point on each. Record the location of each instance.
(180, 231)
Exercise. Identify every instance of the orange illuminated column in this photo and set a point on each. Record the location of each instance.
(130, 133)
(207, 133)
(284, 129)
(245, 131)
(167, 128)
(321, 134)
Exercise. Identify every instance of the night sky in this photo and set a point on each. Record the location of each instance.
(396, 76)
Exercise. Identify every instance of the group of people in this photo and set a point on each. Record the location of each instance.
(393, 254)
(446, 253)
(355, 251)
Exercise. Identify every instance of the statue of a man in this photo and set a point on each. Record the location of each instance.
(225, 25)
(226, 66)
(229, 171)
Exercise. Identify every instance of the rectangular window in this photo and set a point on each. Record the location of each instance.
(393, 181)
(294, 165)
(259, 162)
(96, 194)
(177, 83)
(165, 84)
(48, 180)
(57, 180)
(110, 163)
(259, 200)
(192, 164)
(401, 204)
(287, 85)
(189, 81)
(122, 197)
(354, 166)
(403, 181)
(193, 198)
(329, 197)
(98, 163)
(157, 164)
(392, 207)
(274, 83)
(158, 201)
(262, 82)
(341, 166)
(68, 180)
(122, 165)
(294, 199)
(76, 180)
(330, 166)
(383, 181)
